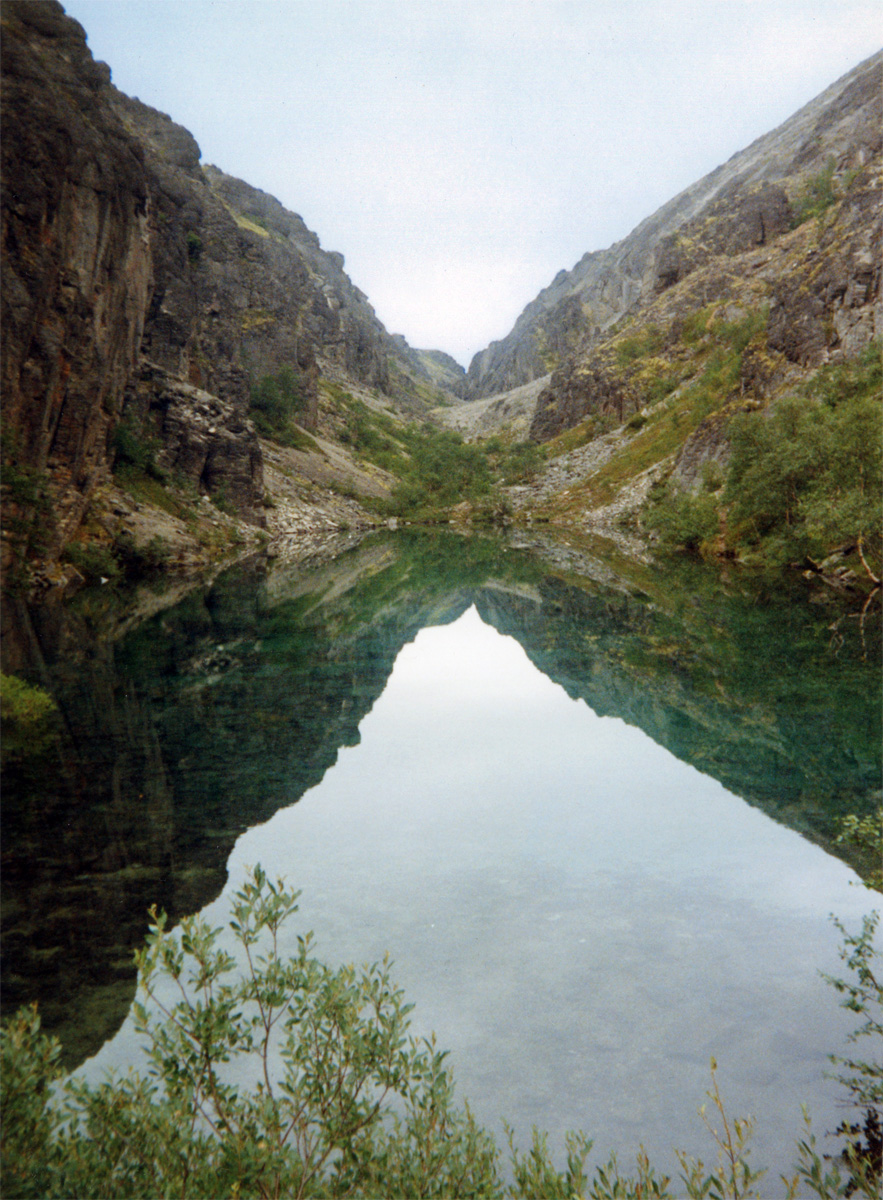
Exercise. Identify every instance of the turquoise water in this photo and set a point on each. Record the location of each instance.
(582, 918)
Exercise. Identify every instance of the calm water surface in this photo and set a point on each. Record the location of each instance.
(583, 919)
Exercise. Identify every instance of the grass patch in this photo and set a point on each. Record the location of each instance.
(296, 439)
(580, 435)
(255, 318)
(645, 343)
(146, 489)
(653, 443)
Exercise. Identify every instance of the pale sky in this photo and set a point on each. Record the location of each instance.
(459, 153)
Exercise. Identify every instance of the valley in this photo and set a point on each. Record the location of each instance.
(556, 673)
(230, 386)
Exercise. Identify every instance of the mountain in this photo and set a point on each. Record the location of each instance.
(150, 303)
(713, 382)
(747, 202)
(186, 371)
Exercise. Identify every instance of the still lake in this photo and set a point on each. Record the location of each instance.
(520, 777)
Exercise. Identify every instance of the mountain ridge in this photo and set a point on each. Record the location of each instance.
(611, 281)
(156, 313)
(186, 371)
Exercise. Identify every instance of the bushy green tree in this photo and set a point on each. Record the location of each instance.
(808, 475)
(275, 399)
(684, 520)
(862, 1077)
(360, 1107)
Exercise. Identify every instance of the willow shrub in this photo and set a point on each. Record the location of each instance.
(360, 1108)
(808, 475)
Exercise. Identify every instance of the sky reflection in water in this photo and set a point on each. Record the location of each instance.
(581, 918)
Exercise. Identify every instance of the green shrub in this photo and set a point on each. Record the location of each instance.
(275, 399)
(149, 558)
(136, 449)
(99, 562)
(23, 703)
(28, 511)
(646, 343)
(95, 561)
(862, 1078)
(865, 834)
(514, 461)
(660, 384)
(853, 379)
(362, 1108)
(809, 475)
(816, 196)
(443, 470)
(684, 520)
(695, 326)
(25, 715)
(735, 335)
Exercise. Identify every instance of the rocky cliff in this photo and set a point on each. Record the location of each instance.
(145, 292)
(745, 203)
(77, 267)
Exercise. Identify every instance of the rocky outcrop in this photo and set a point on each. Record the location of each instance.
(76, 271)
(741, 204)
(440, 369)
(203, 440)
(828, 302)
(735, 221)
(820, 283)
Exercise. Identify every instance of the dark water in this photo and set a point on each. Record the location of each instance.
(571, 809)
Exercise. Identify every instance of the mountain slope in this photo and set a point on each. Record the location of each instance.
(156, 313)
(748, 200)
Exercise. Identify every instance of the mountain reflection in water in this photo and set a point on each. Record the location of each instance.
(218, 712)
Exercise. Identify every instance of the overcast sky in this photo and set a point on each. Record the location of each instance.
(460, 152)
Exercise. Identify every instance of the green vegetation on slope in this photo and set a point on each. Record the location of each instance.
(435, 469)
(25, 716)
(805, 476)
(276, 399)
(680, 385)
(363, 1108)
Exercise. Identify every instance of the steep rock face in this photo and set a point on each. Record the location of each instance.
(76, 260)
(203, 438)
(242, 287)
(295, 302)
(120, 249)
(820, 283)
(438, 368)
(86, 267)
(734, 222)
(742, 203)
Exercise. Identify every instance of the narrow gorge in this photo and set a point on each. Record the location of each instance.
(237, 511)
